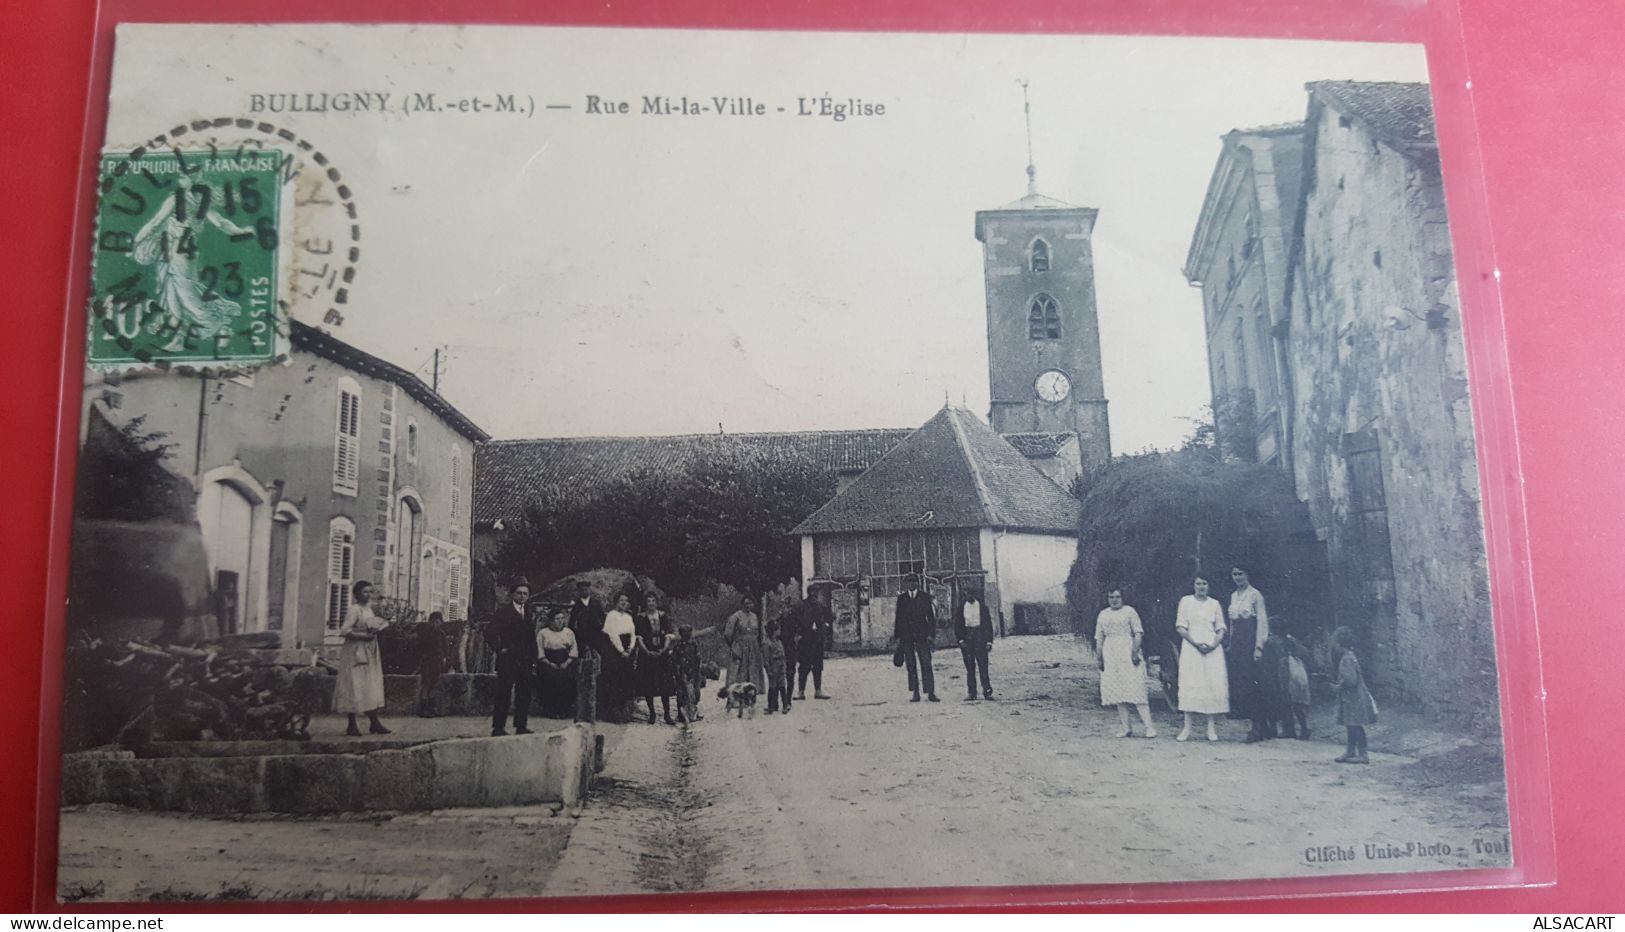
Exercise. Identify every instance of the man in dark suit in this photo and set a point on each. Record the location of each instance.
(587, 619)
(973, 629)
(915, 630)
(513, 637)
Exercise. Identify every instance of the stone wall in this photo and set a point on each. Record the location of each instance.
(1382, 433)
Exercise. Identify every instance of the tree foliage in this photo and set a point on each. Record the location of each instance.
(722, 520)
(1152, 521)
(122, 477)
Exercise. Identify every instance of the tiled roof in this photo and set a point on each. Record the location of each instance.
(1400, 114)
(1038, 445)
(511, 474)
(326, 345)
(952, 472)
(1272, 129)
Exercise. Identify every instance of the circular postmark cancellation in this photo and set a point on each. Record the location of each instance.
(209, 240)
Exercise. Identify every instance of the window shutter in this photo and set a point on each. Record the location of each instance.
(340, 571)
(456, 483)
(454, 606)
(347, 440)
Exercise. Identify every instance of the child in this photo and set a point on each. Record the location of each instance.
(1273, 716)
(1295, 673)
(690, 679)
(1355, 707)
(777, 682)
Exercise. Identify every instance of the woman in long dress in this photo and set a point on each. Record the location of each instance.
(616, 683)
(743, 634)
(1118, 634)
(1203, 685)
(557, 655)
(1249, 631)
(654, 675)
(360, 688)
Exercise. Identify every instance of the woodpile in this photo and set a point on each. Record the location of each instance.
(131, 692)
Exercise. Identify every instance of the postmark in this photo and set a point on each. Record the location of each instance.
(210, 237)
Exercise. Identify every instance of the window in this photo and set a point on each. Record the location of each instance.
(454, 594)
(347, 438)
(1242, 378)
(1044, 320)
(1038, 256)
(456, 483)
(411, 439)
(1269, 378)
(340, 570)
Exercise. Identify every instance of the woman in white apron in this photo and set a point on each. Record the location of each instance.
(360, 687)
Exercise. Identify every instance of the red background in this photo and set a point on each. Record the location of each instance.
(1545, 92)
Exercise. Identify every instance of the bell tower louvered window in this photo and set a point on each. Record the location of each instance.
(1044, 319)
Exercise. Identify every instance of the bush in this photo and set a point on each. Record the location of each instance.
(1150, 522)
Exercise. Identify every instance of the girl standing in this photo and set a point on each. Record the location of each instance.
(1203, 686)
(1355, 707)
(1118, 633)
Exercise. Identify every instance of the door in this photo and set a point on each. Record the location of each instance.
(227, 520)
(277, 573)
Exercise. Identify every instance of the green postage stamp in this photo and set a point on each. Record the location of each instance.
(185, 267)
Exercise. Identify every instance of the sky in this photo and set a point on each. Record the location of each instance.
(609, 274)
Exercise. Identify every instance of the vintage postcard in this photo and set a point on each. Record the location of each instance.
(524, 462)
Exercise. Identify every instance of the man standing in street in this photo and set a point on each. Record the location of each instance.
(790, 629)
(973, 628)
(513, 638)
(916, 628)
(816, 629)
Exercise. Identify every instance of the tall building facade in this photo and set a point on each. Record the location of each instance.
(1043, 332)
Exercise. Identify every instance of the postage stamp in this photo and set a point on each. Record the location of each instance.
(187, 250)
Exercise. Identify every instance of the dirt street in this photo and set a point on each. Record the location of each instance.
(868, 790)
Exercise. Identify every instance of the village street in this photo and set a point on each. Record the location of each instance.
(865, 790)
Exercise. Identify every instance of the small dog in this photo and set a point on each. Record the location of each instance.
(742, 696)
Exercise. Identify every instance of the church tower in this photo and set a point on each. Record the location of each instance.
(1043, 335)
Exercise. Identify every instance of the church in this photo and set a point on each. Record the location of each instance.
(960, 501)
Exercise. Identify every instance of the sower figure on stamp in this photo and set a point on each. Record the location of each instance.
(916, 628)
(973, 628)
(514, 639)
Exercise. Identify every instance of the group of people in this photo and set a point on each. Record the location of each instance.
(1231, 662)
(638, 656)
(914, 635)
(768, 658)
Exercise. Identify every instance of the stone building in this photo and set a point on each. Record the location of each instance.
(329, 467)
(1238, 257)
(957, 505)
(1378, 433)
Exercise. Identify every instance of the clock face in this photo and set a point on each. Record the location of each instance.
(1052, 385)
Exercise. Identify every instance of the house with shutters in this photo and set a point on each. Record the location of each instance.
(958, 505)
(328, 467)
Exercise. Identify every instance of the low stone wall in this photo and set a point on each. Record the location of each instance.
(508, 771)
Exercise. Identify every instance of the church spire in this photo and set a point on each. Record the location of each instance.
(1027, 111)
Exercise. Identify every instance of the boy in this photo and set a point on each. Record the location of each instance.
(777, 683)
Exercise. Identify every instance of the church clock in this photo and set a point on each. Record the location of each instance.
(1052, 386)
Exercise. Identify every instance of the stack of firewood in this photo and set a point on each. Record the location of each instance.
(131, 691)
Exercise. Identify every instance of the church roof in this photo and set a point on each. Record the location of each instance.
(1398, 113)
(513, 474)
(1036, 201)
(1039, 445)
(955, 471)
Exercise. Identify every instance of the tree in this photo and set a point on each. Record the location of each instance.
(722, 519)
(1150, 522)
(122, 476)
